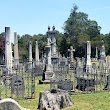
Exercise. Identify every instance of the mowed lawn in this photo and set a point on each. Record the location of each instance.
(93, 101)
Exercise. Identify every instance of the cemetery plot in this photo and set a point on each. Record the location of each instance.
(18, 85)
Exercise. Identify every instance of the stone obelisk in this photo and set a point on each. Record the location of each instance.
(36, 54)
(8, 50)
(30, 55)
(16, 55)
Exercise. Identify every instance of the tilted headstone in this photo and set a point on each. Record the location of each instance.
(17, 85)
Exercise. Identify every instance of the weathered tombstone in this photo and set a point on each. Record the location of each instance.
(88, 57)
(66, 84)
(17, 85)
(30, 56)
(10, 104)
(8, 50)
(102, 51)
(16, 56)
(38, 70)
(36, 54)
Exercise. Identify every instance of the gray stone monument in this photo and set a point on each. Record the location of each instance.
(71, 50)
(48, 71)
(8, 49)
(51, 34)
(17, 85)
(88, 57)
(30, 55)
(16, 56)
(102, 51)
(36, 54)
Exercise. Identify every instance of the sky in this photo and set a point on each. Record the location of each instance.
(34, 16)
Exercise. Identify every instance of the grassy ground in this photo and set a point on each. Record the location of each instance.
(93, 101)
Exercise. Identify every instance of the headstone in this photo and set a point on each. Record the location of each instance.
(36, 54)
(16, 56)
(10, 104)
(66, 84)
(88, 57)
(30, 56)
(8, 49)
(17, 85)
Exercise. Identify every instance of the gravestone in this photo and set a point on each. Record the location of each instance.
(17, 85)
(38, 70)
(66, 84)
(10, 104)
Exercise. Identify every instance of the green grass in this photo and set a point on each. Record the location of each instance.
(93, 101)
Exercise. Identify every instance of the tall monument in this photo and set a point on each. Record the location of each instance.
(8, 49)
(51, 34)
(36, 54)
(16, 56)
(88, 56)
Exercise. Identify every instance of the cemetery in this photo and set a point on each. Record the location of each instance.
(52, 83)
(56, 71)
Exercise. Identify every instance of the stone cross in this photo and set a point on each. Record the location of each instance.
(8, 49)
(71, 50)
(30, 55)
(88, 57)
(16, 56)
(36, 54)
